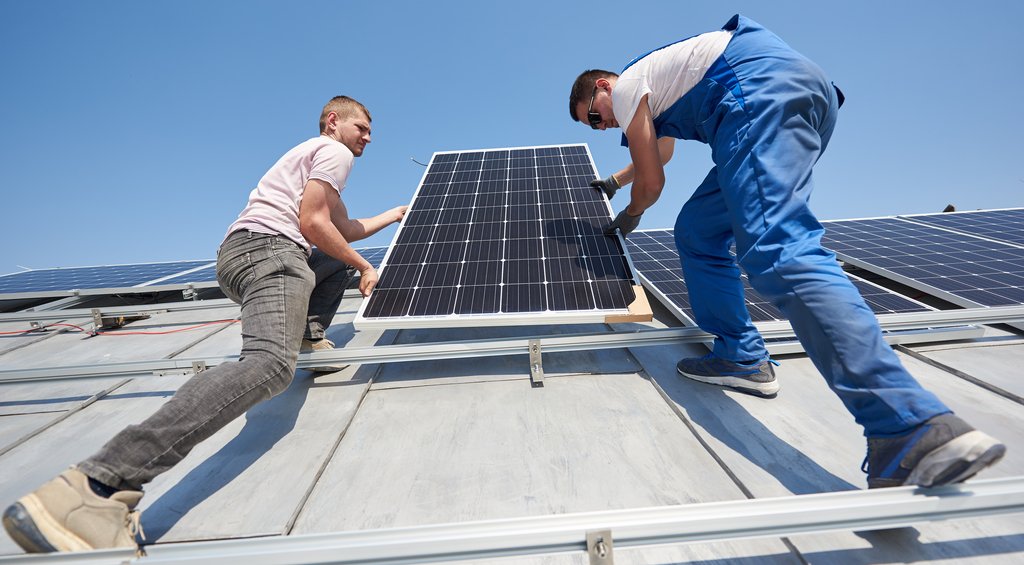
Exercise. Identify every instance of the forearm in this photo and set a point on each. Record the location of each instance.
(625, 176)
(362, 228)
(642, 196)
(326, 236)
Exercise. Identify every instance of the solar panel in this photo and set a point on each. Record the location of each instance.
(963, 269)
(373, 255)
(504, 236)
(143, 276)
(66, 280)
(1001, 225)
(656, 259)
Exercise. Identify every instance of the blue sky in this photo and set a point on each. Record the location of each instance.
(133, 131)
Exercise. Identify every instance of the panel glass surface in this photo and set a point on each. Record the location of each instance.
(971, 269)
(655, 257)
(507, 231)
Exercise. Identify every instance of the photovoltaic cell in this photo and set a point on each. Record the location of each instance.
(503, 232)
(656, 259)
(961, 268)
(1000, 225)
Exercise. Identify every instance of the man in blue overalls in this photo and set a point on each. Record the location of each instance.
(768, 113)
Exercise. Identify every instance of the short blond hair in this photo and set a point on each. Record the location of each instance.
(344, 107)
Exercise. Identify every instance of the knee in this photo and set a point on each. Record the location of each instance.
(280, 379)
(271, 373)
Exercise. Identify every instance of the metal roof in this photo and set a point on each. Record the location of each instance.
(420, 458)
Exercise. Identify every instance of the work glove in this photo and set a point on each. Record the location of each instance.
(609, 185)
(624, 222)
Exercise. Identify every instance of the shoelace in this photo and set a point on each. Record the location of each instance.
(134, 524)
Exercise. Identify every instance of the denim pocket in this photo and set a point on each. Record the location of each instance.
(235, 270)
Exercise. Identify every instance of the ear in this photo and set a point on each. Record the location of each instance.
(602, 83)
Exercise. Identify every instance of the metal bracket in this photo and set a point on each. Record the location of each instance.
(189, 293)
(97, 318)
(536, 365)
(197, 367)
(599, 547)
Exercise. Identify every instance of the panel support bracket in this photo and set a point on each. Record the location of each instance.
(599, 547)
(536, 365)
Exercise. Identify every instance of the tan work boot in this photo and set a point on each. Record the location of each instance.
(66, 515)
(325, 344)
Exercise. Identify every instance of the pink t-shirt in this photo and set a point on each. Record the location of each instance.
(274, 204)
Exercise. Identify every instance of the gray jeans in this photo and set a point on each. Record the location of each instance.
(274, 282)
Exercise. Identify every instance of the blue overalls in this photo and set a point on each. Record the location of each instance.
(768, 112)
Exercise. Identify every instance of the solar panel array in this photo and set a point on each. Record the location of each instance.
(965, 268)
(111, 276)
(496, 234)
(142, 275)
(656, 259)
(1002, 225)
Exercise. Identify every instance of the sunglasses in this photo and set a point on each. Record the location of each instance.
(593, 117)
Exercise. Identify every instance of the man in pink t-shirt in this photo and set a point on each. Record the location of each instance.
(288, 290)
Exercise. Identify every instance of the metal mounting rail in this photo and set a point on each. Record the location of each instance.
(546, 535)
(494, 347)
(116, 310)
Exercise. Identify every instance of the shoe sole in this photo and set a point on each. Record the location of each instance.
(36, 531)
(956, 460)
(764, 390)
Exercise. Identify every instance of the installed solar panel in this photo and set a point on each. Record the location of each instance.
(1001, 225)
(67, 280)
(963, 269)
(111, 276)
(656, 259)
(506, 236)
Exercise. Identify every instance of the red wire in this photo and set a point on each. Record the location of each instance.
(117, 333)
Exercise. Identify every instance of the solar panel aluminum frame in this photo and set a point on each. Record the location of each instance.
(638, 311)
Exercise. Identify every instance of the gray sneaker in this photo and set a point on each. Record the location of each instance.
(309, 346)
(943, 450)
(756, 378)
(66, 515)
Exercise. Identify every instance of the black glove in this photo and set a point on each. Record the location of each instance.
(624, 222)
(609, 185)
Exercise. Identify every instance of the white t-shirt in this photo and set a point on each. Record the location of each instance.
(274, 204)
(666, 75)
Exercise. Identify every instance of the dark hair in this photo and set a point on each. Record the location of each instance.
(583, 86)
(344, 107)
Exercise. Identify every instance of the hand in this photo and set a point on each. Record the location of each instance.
(367, 280)
(609, 185)
(399, 213)
(624, 222)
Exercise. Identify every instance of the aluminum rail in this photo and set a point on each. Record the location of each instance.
(73, 313)
(634, 528)
(501, 346)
